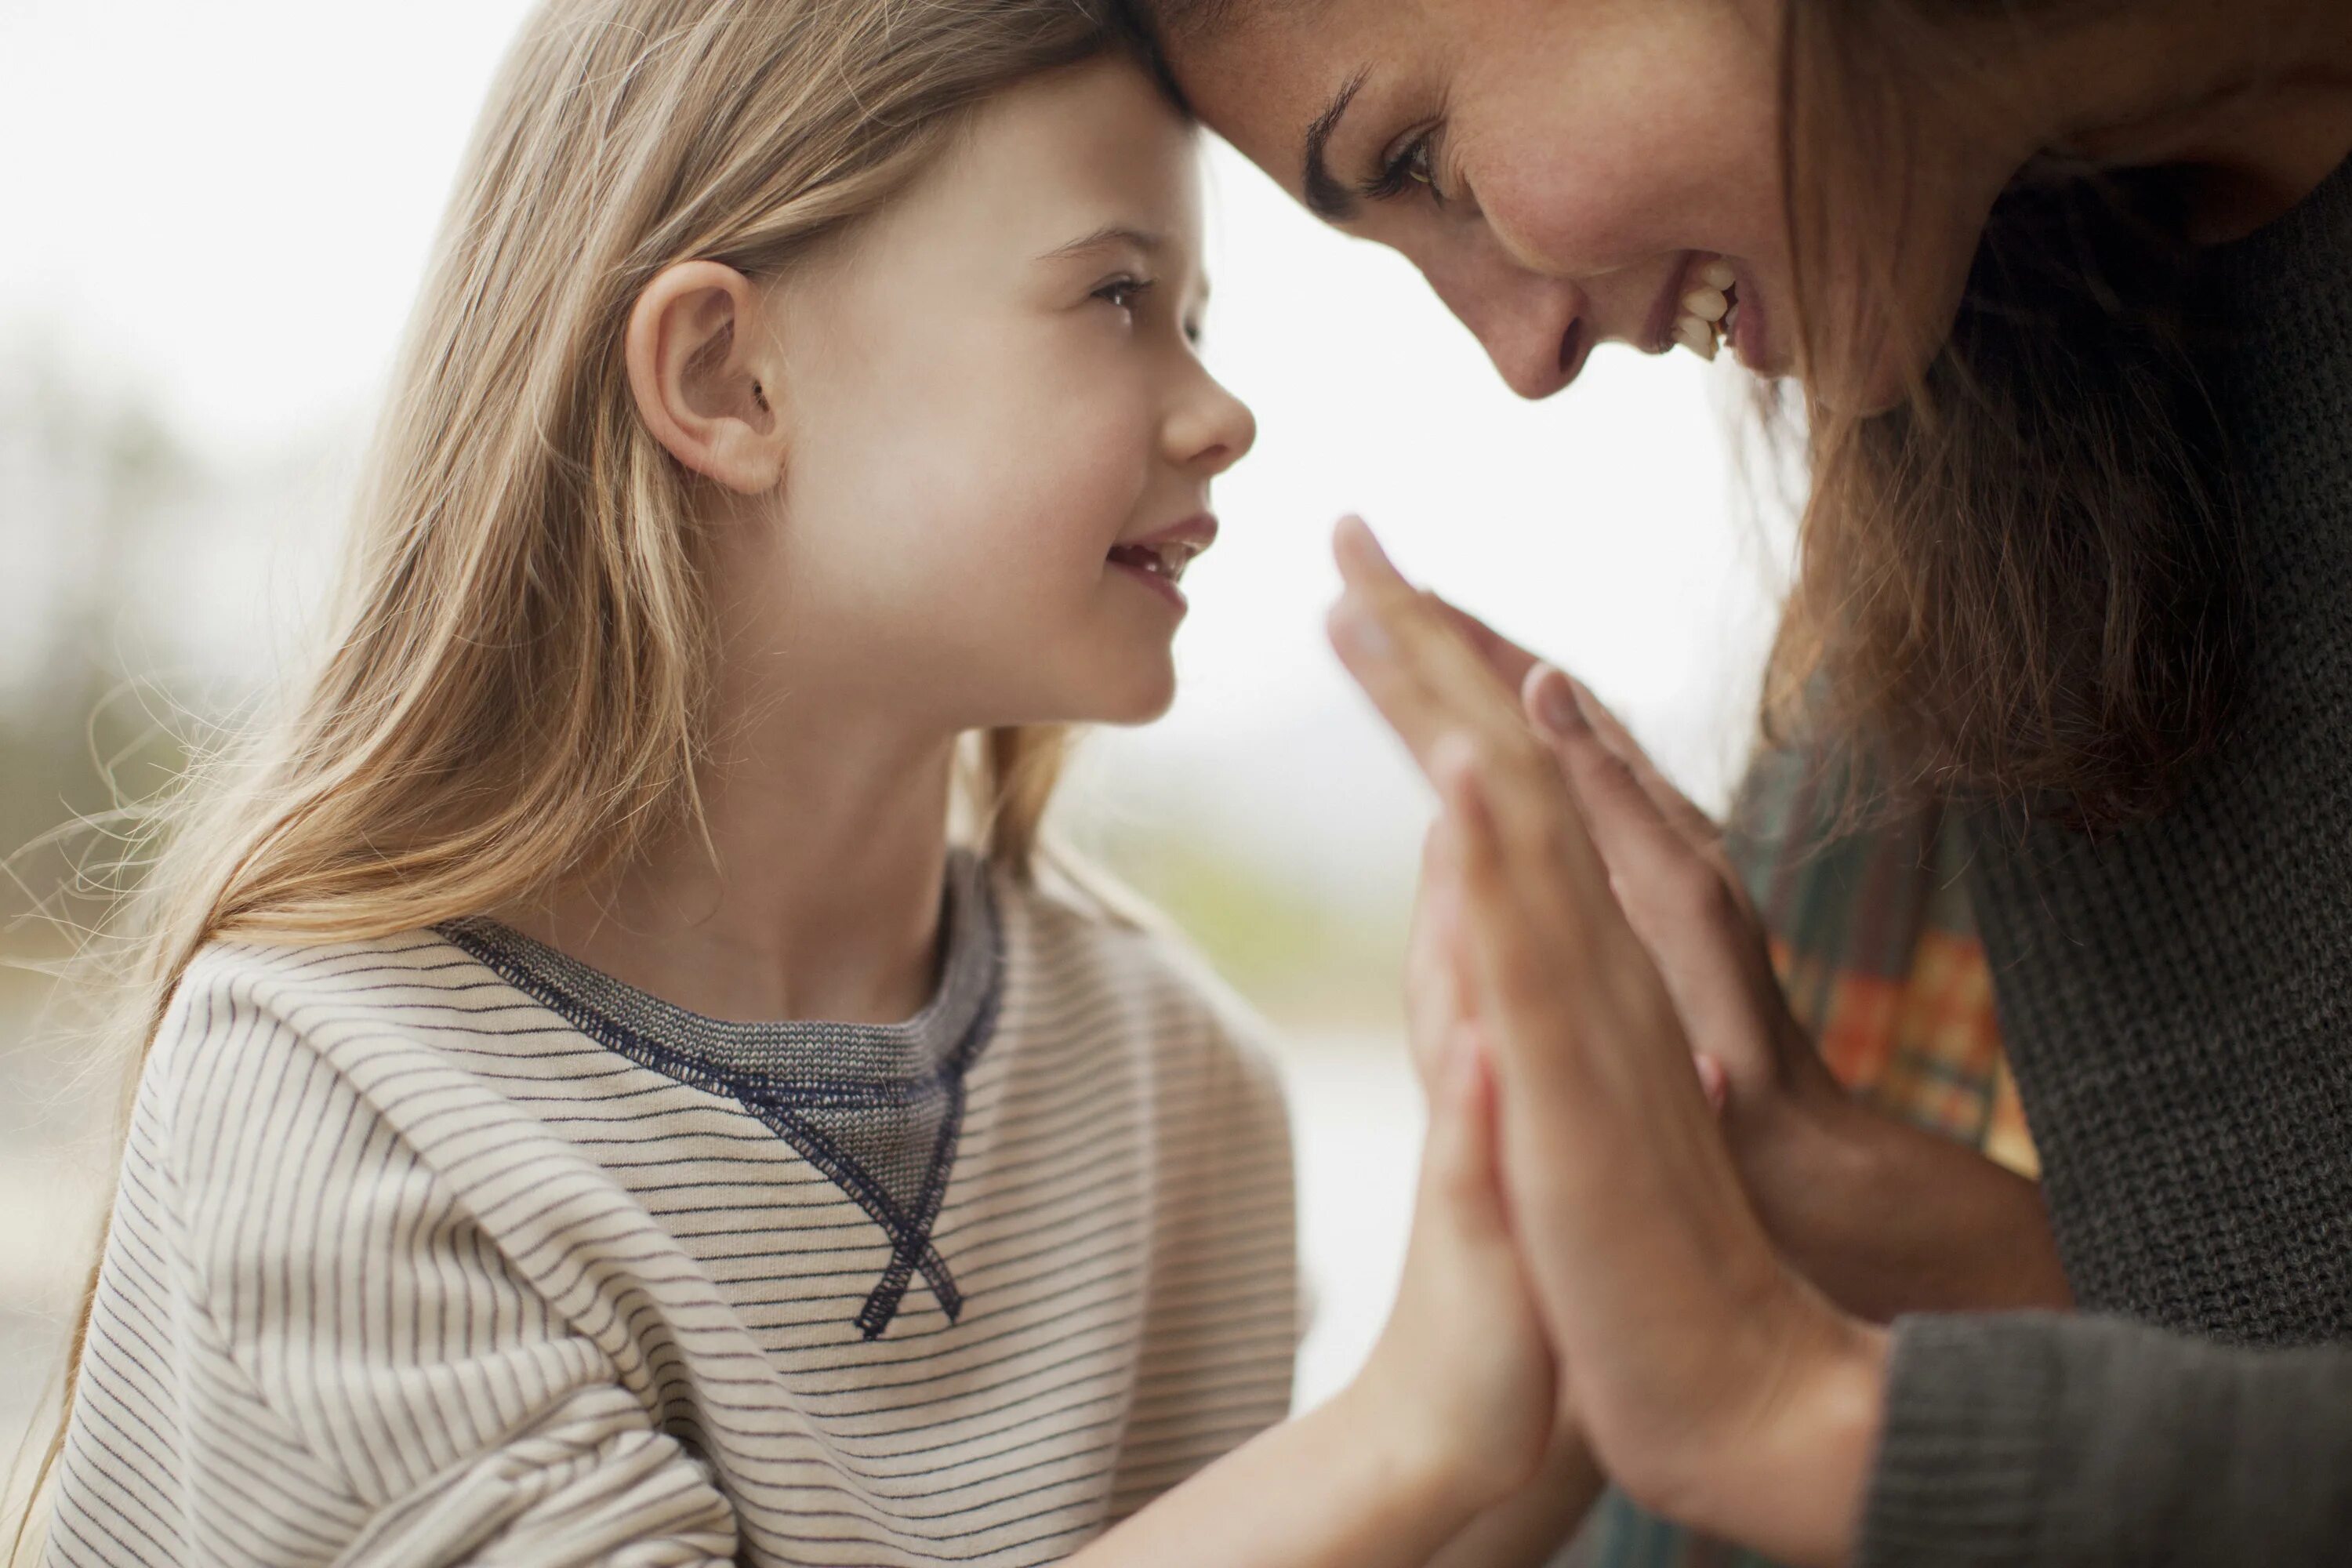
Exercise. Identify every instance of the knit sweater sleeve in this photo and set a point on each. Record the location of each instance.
(2042, 1439)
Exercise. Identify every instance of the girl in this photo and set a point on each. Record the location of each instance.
(803, 406)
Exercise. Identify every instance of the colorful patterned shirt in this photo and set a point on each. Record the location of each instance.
(1877, 949)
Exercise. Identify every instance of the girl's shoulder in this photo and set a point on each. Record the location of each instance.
(1081, 934)
(310, 986)
(242, 1004)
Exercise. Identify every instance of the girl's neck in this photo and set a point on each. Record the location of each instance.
(814, 892)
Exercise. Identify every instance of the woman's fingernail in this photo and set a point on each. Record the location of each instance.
(1713, 1082)
(1555, 702)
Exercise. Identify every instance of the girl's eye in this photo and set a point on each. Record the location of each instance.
(1124, 292)
(1415, 163)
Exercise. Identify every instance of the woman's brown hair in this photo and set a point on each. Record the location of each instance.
(2022, 582)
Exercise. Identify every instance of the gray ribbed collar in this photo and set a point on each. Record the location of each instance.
(787, 1049)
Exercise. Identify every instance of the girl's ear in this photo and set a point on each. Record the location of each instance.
(696, 357)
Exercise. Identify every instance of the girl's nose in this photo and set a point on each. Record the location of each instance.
(1213, 431)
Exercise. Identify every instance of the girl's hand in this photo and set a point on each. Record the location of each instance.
(1713, 1382)
(1463, 1361)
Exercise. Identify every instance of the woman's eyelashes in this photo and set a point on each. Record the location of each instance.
(1411, 163)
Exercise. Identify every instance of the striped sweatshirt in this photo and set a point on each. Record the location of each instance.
(444, 1248)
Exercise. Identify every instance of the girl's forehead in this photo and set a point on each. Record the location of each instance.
(1087, 151)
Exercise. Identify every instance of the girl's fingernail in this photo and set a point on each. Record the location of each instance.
(1453, 756)
(1357, 539)
(1358, 631)
(1555, 706)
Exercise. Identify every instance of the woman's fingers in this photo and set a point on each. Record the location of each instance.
(1642, 849)
(1583, 710)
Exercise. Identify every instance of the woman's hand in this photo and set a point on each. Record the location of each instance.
(1678, 890)
(1713, 1381)
(1883, 1216)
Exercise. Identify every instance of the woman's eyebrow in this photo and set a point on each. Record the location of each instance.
(1105, 238)
(1326, 198)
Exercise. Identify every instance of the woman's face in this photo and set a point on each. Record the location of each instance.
(1565, 172)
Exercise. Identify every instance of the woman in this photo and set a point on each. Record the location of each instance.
(2064, 289)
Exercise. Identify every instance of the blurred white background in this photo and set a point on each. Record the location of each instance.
(217, 216)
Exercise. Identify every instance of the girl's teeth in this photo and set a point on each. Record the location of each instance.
(1717, 274)
(1707, 304)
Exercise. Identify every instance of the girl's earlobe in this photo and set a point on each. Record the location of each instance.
(692, 348)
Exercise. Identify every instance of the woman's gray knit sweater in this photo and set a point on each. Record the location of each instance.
(2177, 1001)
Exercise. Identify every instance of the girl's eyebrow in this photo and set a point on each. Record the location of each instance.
(1107, 238)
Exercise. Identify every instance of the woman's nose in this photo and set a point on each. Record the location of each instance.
(1530, 324)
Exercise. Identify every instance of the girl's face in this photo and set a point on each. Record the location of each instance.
(1000, 437)
(1564, 172)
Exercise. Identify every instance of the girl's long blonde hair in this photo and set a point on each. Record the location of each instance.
(520, 662)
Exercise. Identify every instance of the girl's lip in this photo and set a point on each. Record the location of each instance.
(1156, 583)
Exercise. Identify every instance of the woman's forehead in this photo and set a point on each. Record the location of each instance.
(1274, 78)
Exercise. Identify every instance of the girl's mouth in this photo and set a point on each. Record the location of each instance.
(1157, 559)
(1166, 561)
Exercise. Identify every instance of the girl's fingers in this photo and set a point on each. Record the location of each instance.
(1402, 647)
(1507, 966)
(1433, 992)
(1433, 688)
(1458, 1158)
(1507, 661)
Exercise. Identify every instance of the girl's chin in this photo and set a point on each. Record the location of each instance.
(1119, 691)
(1149, 697)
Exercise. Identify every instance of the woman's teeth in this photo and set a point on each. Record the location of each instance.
(1711, 308)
